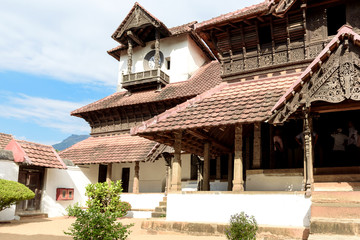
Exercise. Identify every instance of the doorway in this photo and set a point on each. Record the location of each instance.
(125, 177)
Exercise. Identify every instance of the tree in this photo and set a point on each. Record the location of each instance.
(98, 220)
(12, 192)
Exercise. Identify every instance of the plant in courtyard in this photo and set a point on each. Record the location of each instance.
(99, 219)
(242, 227)
(12, 192)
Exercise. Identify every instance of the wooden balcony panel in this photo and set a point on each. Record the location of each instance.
(145, 78)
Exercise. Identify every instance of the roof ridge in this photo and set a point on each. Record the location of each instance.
(177, 108)
(34, 143)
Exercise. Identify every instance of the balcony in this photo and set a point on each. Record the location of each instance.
(144, 80)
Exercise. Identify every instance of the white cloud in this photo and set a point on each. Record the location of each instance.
(44, 112)
(68, 39)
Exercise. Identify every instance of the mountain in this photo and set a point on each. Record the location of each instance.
(68, 142)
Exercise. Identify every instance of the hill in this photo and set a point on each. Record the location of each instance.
(68, 142)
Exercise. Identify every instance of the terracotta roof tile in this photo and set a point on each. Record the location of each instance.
(110, 149)
(329, 48)
(202, 80)
(241, 13)
(4, 140)
(243, 102)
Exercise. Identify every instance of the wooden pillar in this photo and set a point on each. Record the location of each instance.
(272, 157)
(206, 182)
(157, 49)
(176, 165)
(308, 153)
(230, 176)
(238, 182)
(257, 146)
(130, 53)
(136, 178)
(218, 168)
(109, 173)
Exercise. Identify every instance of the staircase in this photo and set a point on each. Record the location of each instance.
(160, 211)
(335, 209)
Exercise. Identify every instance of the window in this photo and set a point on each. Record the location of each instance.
(336, 17)
(102, 173)
(265, 35)
(168, 63)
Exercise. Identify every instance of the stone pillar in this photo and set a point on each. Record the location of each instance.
(308, 153)
(109, 173)
(130, 53)
(230, 176)
(218, 167)
(206, 182)
(136, 178)
(176, 165)
(157, 49)
(257, 146)
(238, 182)
(167, 156)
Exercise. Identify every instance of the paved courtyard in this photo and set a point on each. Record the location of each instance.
(52, 228)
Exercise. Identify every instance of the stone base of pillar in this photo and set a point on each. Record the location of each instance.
(238, 187)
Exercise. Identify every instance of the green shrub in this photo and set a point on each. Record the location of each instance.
(12, 192)
(242, 227)
(98, 220)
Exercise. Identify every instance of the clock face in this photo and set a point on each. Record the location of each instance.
(149, 60)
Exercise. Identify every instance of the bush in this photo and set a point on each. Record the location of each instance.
(242, 227)
(98, 220)
(12, 192)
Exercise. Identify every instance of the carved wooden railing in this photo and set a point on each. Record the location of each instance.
(146, 76)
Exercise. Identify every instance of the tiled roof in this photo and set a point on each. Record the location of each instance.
(242, 102)
(4, 140)
(238, 14)
(35, 154)
(110, 149)
(185, 28)
(325, 53)
(202, 80)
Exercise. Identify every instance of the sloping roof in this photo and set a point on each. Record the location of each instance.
(4, 140)
(35, 154)
(243, 102)
(111, 149)
(243, 13)
(314, 66)
(202, 80)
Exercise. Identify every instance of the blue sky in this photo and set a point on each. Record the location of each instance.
(53, 58)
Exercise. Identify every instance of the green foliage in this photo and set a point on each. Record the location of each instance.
(98, 220)
(242, 227)
(12, 192)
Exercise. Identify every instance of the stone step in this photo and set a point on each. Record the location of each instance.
(32, 215)
(164, 199)
(337, 186)
(337, 178)
(161, 209)
(336, 197)
(335, 210)
(335, 226)
(158, 214)
(331, 237)
(163, 203)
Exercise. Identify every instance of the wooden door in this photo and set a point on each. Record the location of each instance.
(125, 177)
(33, 179)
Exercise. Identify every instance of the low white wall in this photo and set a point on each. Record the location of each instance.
(145, 201)
(73, 177)
(9, 170)
(264, 182)
(281, 209)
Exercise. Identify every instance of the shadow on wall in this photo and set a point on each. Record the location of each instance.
(8, 236)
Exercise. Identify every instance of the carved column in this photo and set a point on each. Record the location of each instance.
(109, 173)
(200, 178)
(157, 49)
(230, 177)
(238, 182)
(167, 156)
(218, 168)
(136, 178)
(130, 53)
(206, 186)
(308, 152)
(176, 166)
(257, 146)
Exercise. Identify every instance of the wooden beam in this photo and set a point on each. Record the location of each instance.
(213, 141)
(135, 38)
(260, 19)
(247, 22)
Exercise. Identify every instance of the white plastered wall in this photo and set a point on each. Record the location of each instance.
(185, 57)
(290, 209)
(74, 177)
(9, 170)
(263, 182)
